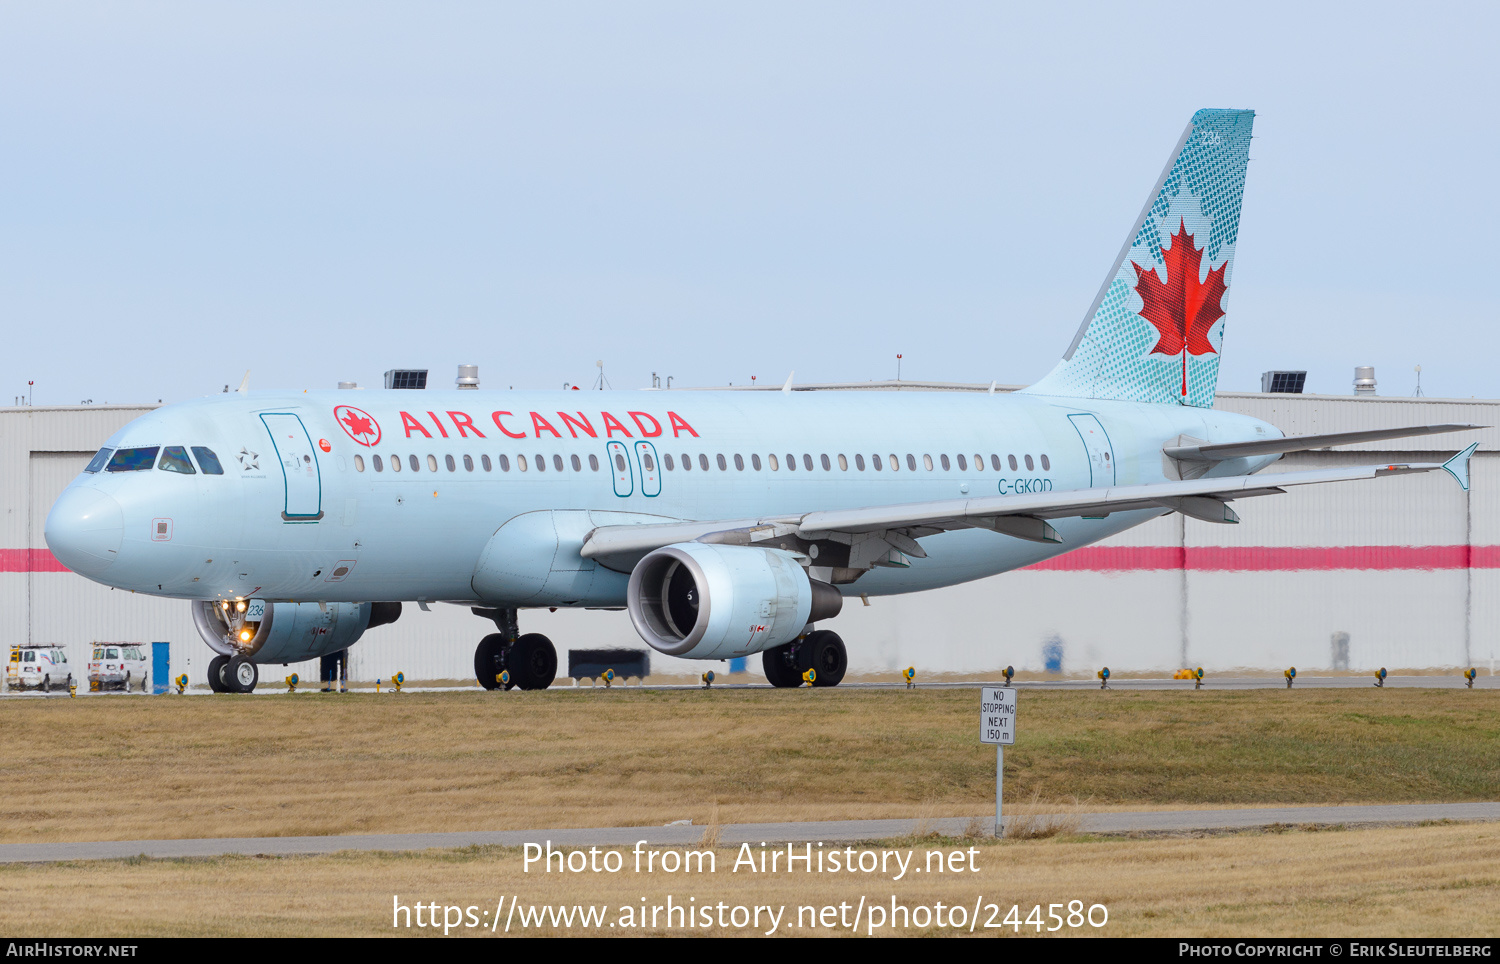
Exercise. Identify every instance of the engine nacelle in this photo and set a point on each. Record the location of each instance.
(701, 601)
(286, 632)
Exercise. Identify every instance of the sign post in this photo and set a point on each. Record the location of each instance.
(997, 725)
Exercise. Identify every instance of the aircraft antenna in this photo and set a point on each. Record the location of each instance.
(787, 388)
(245, 383)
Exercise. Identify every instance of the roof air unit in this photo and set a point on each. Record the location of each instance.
(1364, 380)
(1283, 383)
(406, 378)
(468, 376)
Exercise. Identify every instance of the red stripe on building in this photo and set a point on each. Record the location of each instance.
(1271, 558)
(30, 560)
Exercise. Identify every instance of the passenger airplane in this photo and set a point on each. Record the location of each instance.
(725, 523)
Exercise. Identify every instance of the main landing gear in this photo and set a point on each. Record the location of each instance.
(530, 660)
(232, 674)
(822, 651)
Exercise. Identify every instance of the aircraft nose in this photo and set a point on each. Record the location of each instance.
(84, 530)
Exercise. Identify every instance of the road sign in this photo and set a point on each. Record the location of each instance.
(997, 715)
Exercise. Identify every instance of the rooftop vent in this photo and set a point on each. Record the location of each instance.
(1364, 380)
(1283, 383)
(348, 384)
(406, 378)
(468, 376)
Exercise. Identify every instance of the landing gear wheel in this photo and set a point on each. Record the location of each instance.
(241, 675)
(532, 662)
(779, 668)
(216, 674)
(489, 660)
(823, 651)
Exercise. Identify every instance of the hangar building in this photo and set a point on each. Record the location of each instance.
(1399, 572)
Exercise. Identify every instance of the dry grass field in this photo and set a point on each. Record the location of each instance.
(1398, 882)
(310, 763)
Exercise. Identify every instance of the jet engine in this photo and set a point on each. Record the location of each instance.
(702, 601)
(266, 632)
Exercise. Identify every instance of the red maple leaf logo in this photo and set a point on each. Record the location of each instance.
(360, 425)
(1183, 308)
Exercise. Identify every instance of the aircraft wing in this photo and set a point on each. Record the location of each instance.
(875, 532)
(1302, 443)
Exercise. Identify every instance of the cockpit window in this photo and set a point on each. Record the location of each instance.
(100, 460)
(174, 459)
(133, 460)
(208, 461)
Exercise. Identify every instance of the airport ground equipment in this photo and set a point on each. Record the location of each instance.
(397, 680)
(708, 679)
(1290, 673)
(1010, 672)
(181, 683)
(1380, 676)
(1103, 676)
(910, 675)
(1469, 675)
(1198, 678)
(291, 683)
(997, 725)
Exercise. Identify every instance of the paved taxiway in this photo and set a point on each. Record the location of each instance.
(688, 835)
(1483, 682)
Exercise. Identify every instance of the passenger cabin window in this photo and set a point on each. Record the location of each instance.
(665, 458)
(99, 461)
(775, 466)
(927, 462)
(578, 463)
(995, 462)
(807, 461)
(911, 462)
(895, 462)
(1030, 465)
(843, 464)
(962, 465)
(133, 460)
(541, 464)
(432, 463)
(739, 461)
(875, 462)
(468, 463)
(557, 462)
(484, 461)
(449, 463)
(1012, 460)
(359, 463)
(723, 465)
(859, 462)
(504, 463)
(379, 466)
(521, 462)
(415, 465)
(791, 462)
(174, 458)
(1046, 464)
(594, 462)
(944, 459)
(703, 461)
(827, 466)
(619, 462)
(687, 462)
(755, 461)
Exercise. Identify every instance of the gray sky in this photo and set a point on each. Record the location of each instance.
(320, 192)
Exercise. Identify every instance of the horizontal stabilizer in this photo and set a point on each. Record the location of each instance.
(1301, 443)
(1458, 466)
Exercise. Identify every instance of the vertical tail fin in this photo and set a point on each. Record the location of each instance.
(1154, 331)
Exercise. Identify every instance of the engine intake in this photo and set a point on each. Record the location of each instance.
(285, 632)
(702, 601)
